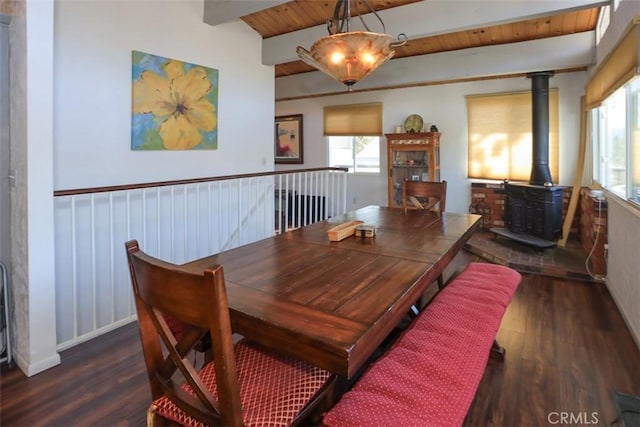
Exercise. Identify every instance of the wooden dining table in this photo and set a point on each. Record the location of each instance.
(333, 303)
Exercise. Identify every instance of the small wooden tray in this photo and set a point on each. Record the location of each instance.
(342, 231)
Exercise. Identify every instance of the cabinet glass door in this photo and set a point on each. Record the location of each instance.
(410, 165)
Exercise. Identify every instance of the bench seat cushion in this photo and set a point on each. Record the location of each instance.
(430, 375)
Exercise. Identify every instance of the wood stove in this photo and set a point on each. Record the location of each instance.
(534, 210)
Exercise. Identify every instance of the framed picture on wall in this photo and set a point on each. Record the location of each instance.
(174, 104)
(288, 139)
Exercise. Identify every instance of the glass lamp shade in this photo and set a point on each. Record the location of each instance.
(349, 57)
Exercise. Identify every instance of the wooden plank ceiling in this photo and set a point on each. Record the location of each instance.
(299, 14)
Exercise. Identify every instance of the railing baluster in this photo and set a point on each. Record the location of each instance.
(299, 202)
(128, 213)
(286, 208)
(277, 205)
(209, 225)
(218, 247)
(240, 213)
(185, 225)
(344, 192)
(92, 240)
(74, 270)
(198, 219)
(112, 281)
(254, 211)
(172, 231)
(143, 201)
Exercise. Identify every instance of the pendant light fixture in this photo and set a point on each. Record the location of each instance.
(349, 56)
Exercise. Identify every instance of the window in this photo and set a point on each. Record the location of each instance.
(603, 22)
(354, 133)
(499, 127)
(360, 154)
(616, 142)
(613, 95)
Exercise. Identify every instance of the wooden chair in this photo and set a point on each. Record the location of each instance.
(245, 383)
(424, 195)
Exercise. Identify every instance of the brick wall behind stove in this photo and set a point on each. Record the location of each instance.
(488, 200)
(593, 229)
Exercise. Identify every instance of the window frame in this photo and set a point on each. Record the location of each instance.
(599, 143)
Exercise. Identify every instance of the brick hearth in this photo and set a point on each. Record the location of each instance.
(589, 220)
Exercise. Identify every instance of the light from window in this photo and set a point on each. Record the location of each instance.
(603, 23)
(613, 114)
(500, 136)
(616, 142)
(360, 154)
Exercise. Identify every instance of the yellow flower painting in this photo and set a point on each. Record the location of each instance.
(175, 104)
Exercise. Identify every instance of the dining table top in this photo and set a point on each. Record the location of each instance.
(332, 303)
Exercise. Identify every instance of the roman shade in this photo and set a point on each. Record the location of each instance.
(500, 135)
(353, 120)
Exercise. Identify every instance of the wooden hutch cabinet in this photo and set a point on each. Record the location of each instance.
(414, 156)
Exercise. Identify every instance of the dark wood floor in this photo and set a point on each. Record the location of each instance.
(567, 350)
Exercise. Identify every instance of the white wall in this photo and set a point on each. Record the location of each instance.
(444, 106)
(92, 92)
(623, 269)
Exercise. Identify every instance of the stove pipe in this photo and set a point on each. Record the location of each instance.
(540, 174)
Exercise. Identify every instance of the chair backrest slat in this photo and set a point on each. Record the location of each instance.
(199, 302)
(435, 192)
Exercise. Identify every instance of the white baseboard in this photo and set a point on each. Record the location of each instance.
(96, 333)
(31, 369)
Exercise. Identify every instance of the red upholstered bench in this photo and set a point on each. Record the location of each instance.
(430, 375)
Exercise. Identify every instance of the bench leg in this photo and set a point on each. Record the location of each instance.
(414, 310)
(417, 306)
(497, 351)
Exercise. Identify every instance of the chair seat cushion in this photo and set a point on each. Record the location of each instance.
(273, 387)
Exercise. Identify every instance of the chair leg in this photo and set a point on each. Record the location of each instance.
(155, 420)
(312, 414)
(440, 282)
(152, 418)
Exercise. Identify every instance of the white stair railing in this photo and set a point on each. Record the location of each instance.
(175, 221)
